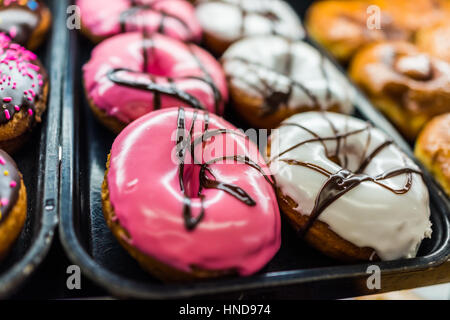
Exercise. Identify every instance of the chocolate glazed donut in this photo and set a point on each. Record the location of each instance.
(13, 203)
(25, 21)
(23, 93)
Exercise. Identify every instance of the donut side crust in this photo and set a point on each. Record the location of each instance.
(88, 34)
(341, 50)
(12, 226)
(250, 107)
(16, 132)
(432, 152)
(215, 44)
(321, 237)
(112, 123)
(39, 34)
(158, 269)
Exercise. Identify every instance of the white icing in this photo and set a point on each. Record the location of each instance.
(232, 20)
(369, 215)
(417, 63)
(253, 62)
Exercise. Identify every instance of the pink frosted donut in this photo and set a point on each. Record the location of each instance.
(104, 18)
(191, 213)
(132, 74)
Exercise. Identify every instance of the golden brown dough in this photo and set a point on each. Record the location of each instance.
(414, 15)
(319, 235)
(435, 40)
(433, 149)
(12, 225)
(408, 86)
(341, 26)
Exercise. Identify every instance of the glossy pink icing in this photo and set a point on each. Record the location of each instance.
(145, 193)
(102, 18)
(168, 58)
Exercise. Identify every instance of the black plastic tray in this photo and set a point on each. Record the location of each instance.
(297, 271)
(39, 163)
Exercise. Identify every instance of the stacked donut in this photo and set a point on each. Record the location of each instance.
(398, 53)
(186, 193)
(23, 96)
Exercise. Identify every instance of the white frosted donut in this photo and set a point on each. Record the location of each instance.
(288, 74)
(380, 200)
(231, 20)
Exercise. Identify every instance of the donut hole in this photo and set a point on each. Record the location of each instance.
(350, 153)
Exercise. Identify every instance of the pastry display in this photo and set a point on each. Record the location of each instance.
(347, 189)
(13, 203)
(271, 78)
(433, 149)
(190, 197)
(132, 74)
(23, 92)
(26, 22)
(215, 148)
(408, 86)
(227, 21)
(104, 18)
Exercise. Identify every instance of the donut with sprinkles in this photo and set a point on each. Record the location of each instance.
(26, 22)
(13, 203)
(23, 93)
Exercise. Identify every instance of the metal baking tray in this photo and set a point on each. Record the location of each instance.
(297, 271)
(39, 163)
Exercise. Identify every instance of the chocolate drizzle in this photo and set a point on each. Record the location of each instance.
(10, 183)
(265, 11)
(169, 88)
(19, 19)
(207, 180)
(157, 89)
(343, 181)
(136, 7)
(274, 99)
